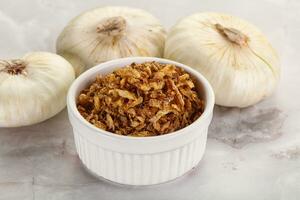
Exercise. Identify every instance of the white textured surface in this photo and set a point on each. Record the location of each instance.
(252, 153)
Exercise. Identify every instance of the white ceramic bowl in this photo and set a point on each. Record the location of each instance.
(139, 160)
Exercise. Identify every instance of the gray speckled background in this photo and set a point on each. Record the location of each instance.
(252, 153)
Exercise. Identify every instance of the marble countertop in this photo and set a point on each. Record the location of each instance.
(252, 153)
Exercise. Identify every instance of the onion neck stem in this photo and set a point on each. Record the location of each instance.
(13, 67)
(113, 26)
(233, 35)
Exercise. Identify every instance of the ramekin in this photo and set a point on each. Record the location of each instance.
(139, 160)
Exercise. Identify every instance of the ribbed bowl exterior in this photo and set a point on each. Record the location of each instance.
(140, 169)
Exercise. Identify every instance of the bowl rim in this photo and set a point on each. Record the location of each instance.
(71, 99)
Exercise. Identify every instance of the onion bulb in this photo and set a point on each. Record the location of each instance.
(231, 53)
(108, 33)
(33, 88)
